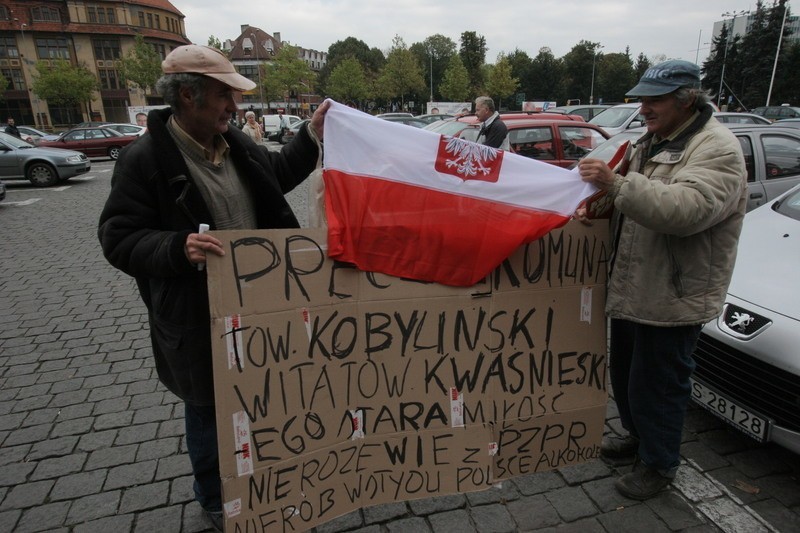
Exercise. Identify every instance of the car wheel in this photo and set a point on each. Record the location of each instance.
(113, 152)
(42, 175)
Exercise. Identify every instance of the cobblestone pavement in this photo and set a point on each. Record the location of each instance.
(91, 442)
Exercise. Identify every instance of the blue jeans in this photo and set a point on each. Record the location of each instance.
(650, 371)
(201, 441)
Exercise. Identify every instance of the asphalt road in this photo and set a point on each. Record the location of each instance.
(90, 441)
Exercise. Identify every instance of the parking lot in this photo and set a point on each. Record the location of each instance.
(90, 441)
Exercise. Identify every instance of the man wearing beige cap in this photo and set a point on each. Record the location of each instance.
(190, 169)
(678, 211)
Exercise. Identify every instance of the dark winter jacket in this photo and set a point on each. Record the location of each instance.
(153, 206)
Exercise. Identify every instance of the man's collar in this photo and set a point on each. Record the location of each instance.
(221, 147)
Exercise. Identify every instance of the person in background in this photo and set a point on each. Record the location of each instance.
(252, 128)
(435, 111)
(141, 119)
(11, 129)
(678, 212)
(193, 168)
(493, 131)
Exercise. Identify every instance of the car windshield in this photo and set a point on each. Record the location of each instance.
(614, 117)
(14, 141)
(790, 206)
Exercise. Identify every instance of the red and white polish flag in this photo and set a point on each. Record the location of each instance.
(415, 204)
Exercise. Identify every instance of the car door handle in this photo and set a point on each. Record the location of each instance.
(756, 195)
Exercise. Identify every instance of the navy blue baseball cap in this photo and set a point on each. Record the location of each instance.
(666, 77)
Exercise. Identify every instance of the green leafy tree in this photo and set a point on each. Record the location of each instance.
(615, 77)
(522, 69)
(141, 65)
(578, 70)
(455, 81)
(500, 83)
(213, 42)
(289, 75)
(547, 75)
(787, 77)
(64, 85)
(642, 64)
(371, 59)
(401, 75)
(473, 56)
(348, 82)
(434, 54)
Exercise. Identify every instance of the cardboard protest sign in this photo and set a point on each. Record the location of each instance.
(338, 389)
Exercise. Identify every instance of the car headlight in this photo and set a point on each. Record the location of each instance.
(74, 159)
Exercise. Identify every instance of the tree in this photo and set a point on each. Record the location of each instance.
(64, 85)
(371, 59)
(434, 54)
(615, 77)
(348, 82)
(213, 42)
(578, 70)
(500, 83)
(141, 65)
(548, 75)
(401, 75)
(642, 64)
(289, 75)
(522, 69)
(473, 56)
(455, 81)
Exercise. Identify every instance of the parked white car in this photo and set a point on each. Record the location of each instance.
(748, 364)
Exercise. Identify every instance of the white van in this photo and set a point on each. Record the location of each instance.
(272, 125)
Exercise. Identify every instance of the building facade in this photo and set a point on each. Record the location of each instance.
(252, 52)
(92, 33)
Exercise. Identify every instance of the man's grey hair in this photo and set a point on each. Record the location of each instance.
(685, 95)
(169, 86)
(485, 100)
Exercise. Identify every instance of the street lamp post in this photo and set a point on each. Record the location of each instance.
(258, 67)
(594, 58)
(777, 52)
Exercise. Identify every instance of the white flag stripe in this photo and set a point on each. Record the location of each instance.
(359, 144)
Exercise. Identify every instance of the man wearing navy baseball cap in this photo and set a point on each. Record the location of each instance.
(678, 211)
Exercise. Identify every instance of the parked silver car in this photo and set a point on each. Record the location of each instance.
(748, 363)
(771, 154)
(43, 167)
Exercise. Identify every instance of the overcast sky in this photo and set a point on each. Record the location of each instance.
(668, 27)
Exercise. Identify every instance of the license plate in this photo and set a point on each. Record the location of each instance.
(731, 412)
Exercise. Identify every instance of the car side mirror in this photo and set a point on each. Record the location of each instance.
(635, 124)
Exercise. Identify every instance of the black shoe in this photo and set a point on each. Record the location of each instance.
(619, 451)
(642, 483)
(215, 517)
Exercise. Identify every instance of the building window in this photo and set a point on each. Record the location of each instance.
(100, 15)
(16, 81)
(157, 22)
(106, 49)
(3, 13)
(45, 14)
(149, 20)
(55, 48)
(8, 48)
(141, 19)
(116, 109)
(110, 79)
(249, 71)
(160, 49)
